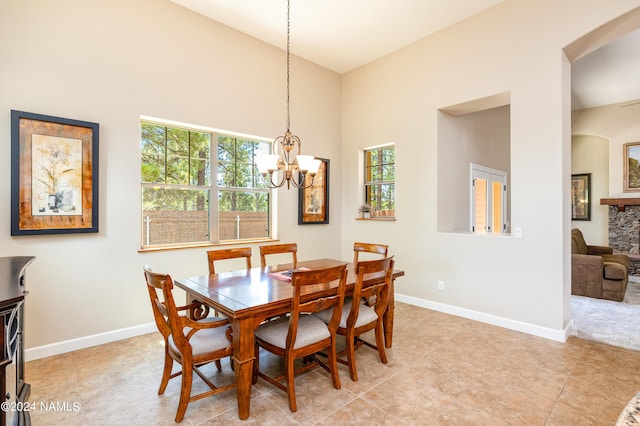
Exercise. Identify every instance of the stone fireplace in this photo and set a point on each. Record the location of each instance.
(624, 228)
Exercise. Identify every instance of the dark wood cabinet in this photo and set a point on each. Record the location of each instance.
(12, 381)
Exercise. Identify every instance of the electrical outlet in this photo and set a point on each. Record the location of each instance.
(440, 285)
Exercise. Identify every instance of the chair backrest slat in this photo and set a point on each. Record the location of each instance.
(279, 249)
(381, 249)
(304, 302)
(381, 273)
(234, 253)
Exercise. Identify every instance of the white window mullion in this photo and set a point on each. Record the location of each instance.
(214, 231)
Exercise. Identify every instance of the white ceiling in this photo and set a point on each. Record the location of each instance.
(339, 34)
(609, 75)
(342, 35)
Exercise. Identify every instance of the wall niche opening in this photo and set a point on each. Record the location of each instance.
(474, 132)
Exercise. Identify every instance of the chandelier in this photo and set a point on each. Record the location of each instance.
(286, 158)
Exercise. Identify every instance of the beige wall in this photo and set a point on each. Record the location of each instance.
(517, 48)
(619, 123)
(590, 154)
(615, 125)
(111, 62)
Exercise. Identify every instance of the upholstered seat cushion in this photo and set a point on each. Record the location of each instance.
(206, 340)
(366, 314)
(620, 258)
(614, 271)
(310, 330)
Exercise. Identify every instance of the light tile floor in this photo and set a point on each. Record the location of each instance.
(442, 369)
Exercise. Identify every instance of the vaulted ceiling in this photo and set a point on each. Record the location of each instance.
(339, 34)
(342, 35)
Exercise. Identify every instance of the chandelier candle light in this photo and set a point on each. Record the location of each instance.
(291, 164)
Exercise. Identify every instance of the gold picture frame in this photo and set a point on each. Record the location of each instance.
(313, 202)
(54, 175)
(631, 167)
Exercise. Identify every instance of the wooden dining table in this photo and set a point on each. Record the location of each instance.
(249, 296)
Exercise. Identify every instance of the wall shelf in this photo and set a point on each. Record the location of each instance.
(621, 203)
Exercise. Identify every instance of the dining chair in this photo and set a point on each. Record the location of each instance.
(301, 335)
(379, 249)
(234, 253)
(279, 249)
(190, 343)
(359, 318)
(358, 248)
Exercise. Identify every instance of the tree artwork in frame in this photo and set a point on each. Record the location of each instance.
(313, 202)
(580, 197)
(54, 175)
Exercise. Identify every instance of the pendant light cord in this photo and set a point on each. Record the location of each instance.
(288, 36)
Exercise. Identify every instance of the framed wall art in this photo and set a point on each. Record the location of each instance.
(54, 175)
(632, 167)
(580, 197)
(313, 202)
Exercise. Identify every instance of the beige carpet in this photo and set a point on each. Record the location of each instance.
(615, 323)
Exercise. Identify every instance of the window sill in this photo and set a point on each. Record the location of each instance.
(201, 245)
(380, 218)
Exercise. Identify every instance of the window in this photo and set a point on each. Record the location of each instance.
(488, 200)
(379, 180)
(182, 204)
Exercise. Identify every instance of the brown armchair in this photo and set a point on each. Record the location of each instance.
(596, 271)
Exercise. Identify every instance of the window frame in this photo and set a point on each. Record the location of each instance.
(212, 189)
(491, 176)
(367, 183)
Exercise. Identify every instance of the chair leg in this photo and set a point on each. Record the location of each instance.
(291, 389)
(218, 365)
(166, 373)
(380, 342)
(351, 356)
(333, 363)
(185, 390)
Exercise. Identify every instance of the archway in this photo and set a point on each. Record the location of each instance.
(579, 49)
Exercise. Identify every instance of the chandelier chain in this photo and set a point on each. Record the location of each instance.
(290, 163)
(288, 61)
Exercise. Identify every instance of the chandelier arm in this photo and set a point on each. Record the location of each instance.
(300, 182)
(297, 143)
(274, 185)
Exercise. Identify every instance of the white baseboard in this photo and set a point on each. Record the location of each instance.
(124, 333)
(88, 341)
(536, 330)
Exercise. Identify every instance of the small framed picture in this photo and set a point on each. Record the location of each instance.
(632, 167)
(54, 175)
(313, 202)
(580, 197)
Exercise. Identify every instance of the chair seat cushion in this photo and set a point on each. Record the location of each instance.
(614, 271)
(310, 330)
(206, 340)
(620, 258)
(366, 315)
